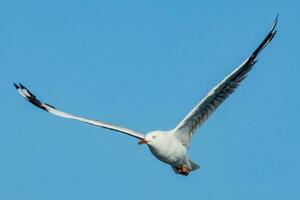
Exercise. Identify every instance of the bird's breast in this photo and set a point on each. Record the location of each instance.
(172, 153)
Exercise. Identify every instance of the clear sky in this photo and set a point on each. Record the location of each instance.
(144, 65)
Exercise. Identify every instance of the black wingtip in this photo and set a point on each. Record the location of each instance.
(276, 19)
(22, 86)
(16, 86)
(275, 23)
(274, 33)
(50, 105)
(31, 98)
(267, 39)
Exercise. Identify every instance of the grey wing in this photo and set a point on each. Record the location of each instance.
(198, 115)
(46, 107)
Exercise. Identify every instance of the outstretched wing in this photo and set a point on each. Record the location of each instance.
(32, 99)
(198, 115)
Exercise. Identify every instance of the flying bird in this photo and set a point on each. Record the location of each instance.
(171, 146)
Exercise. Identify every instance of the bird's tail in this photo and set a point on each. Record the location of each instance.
(194, 165)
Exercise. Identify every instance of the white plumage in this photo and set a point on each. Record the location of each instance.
(171, 146)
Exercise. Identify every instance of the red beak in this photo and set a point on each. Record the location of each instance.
(142, 141)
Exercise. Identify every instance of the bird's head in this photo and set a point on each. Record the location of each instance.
(154, 138)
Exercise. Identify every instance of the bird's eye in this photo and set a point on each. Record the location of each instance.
(154, 136)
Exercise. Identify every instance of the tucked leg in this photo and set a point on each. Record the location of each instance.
(183, 170)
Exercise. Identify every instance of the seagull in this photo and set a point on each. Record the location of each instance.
(171, 146)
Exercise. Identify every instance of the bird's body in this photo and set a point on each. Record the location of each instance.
(171, 146)
(169, 149)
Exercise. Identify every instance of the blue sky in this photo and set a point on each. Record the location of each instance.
(144, 65)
